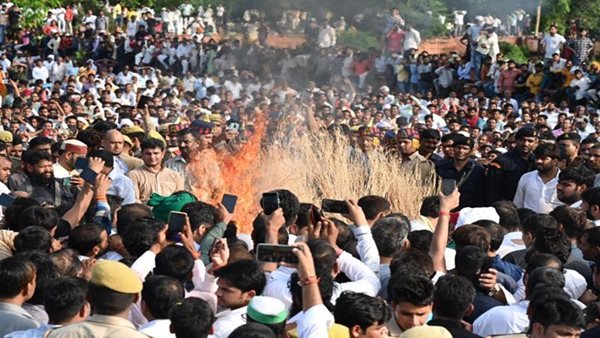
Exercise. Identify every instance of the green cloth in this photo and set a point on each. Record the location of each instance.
(163, 205)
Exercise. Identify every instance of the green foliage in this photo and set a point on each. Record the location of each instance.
(35, 11)
(358, 41)
(415, 13)
(519, 54)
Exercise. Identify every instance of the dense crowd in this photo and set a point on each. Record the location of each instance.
(116, 122)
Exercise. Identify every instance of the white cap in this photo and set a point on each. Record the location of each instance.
(471, 215)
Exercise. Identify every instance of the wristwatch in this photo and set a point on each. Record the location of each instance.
(494, 291)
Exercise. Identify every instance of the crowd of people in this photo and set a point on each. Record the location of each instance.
(113, 122)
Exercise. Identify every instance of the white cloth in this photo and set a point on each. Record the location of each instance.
(362, 280)
(512, 241)
(315, 322)
(506, 319)
(552, 44)
(534, 194)
(366, 247)
(157, 329)
(575, 285)
(229, 320)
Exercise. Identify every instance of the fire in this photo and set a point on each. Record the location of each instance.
(239, 172)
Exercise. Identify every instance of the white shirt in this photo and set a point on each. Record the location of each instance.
(534, 194)
(575, 285)
(229, 320)
(362, 280)
(366, 247)
(513, 241)
(503, 320)
(158, 328)
(552, 44)
(315, 322)
(3, 190)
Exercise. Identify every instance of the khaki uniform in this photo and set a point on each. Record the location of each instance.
(131, 162)
(164, 183)
(98, 326)
(423, 168)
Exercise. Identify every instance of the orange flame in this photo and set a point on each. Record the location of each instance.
(239, 173)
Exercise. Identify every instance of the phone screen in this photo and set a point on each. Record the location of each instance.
(270, 202)
(81, 163)
(276, 253)
(6, 200)
(229, 201)
(176, 224)
(448, 186)
(315, 215)
(488, 264)
(334, 206)
(89, 176)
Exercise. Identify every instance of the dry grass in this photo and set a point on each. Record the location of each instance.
(317, 167)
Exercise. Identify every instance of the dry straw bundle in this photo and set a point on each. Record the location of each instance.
(320, 166)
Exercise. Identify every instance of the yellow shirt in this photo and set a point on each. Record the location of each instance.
(534, 82)
(98, 326)
(145, 182)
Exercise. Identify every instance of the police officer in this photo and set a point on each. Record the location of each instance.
(504, 173)
(113, 289)
(468, 174)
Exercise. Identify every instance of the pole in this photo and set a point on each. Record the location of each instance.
(538, 19)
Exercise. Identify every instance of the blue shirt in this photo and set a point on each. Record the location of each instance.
(512, 270)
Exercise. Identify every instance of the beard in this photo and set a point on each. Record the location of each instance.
(41, 179)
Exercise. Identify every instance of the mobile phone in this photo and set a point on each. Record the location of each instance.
(144, 100)
(316, 215)
(89, 176)
(488, 263)
(6, 200)
(176, 223)
(229, 201)
(448, 186)
(334, 206)
(269, 202)
(234, 126)
(276, 253)
(81, 163)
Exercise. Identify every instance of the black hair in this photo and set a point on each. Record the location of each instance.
(45, 272)
(33, 238)
(289, 203)
(91, 137)
(64, 298)
(420, 240)
(38, 141)
(468, 261)
(130, 213)
(412, 260)
(259, 232)
(372, 205)
(252, 330)
(412, 288)
(160, 294)
(47, 218)
(140, 236)
(246, 275)
(13, 214)
(192, 317)
(303, 220)
(390, 233)
(353, 308)
(452, 297)
(67, 262)
(544, 277)
(174, 261)
(509, 215)
(85, 237)
(34, 157)
(551, 306)
(471, 234)
(591, 196)
(554, 242)
(430, 207)
(152, 143)
(524, 213)
(573, 220)
(200, 213)
(107, 302)
(105, 155)
(15, 274)
(547, 150)
(538, 221)
(496, 232)
(580, 175)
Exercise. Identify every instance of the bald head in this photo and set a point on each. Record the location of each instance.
(113, 141)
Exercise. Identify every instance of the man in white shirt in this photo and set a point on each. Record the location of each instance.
(159, 295)
(537, 189)
(552, 43)
(39, 72)
(238, 283)
(512, 319)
